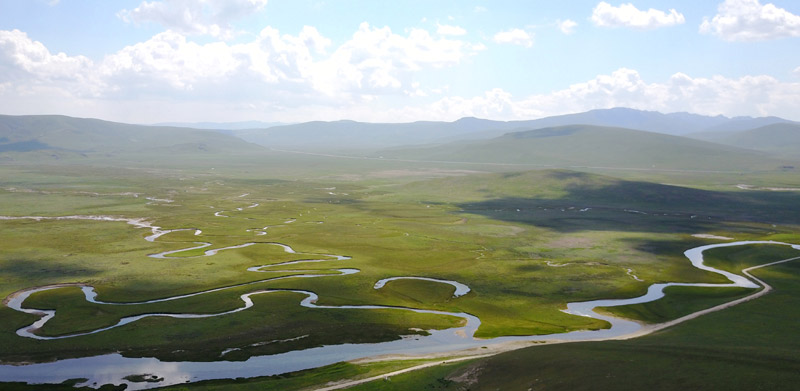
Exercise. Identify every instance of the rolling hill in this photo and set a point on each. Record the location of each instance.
(69, 136)
(589, 146)
(781, 139)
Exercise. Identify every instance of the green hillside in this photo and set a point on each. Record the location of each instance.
(585, 146)
(780, 139)
(69, 136)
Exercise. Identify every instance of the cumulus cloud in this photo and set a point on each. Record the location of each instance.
(168, 61)
(748, 95)
(204, 17)
(376, 60)
(567, 26)
(515, 37)
(749, 20)
(797, 71)
(444, 29)
(279, 71)
(627, 15)
(23, 59)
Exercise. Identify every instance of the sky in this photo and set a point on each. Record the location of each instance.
(396, 61)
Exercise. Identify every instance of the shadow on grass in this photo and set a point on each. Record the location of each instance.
(33, 270)
(616, 205)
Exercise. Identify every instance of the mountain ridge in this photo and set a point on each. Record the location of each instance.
(89, 135)
(347, 134)
(588, 146)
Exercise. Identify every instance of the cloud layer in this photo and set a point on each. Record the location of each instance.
(301, 77)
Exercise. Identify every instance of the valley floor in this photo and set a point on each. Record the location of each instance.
(525, 244)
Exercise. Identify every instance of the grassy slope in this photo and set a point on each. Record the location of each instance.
(781, 139)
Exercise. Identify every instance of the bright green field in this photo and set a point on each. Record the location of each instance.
(525, 243)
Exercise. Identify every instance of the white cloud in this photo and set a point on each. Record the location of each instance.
(566, 26)
(444, 29)
(273, 71)
(515, 37)
(749, 20)
(204, 17)
(748, 95)
(168, 61)
(303, 76)
(375, 60)
(23, 59)
(479, 9)
(627, 15)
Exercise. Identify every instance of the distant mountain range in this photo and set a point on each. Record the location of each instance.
(359, 135)
(223, 126)
(621, 138)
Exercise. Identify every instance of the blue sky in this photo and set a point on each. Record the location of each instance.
(302, 60)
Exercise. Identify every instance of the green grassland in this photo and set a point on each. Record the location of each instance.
(751, 346)
(731, 349)
(524, 242)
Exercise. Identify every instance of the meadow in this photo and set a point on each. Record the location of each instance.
(525, 242)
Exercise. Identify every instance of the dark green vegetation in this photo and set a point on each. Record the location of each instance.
(526, 242)
(752, 346)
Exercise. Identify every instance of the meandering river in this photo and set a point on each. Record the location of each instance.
(112, 368)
